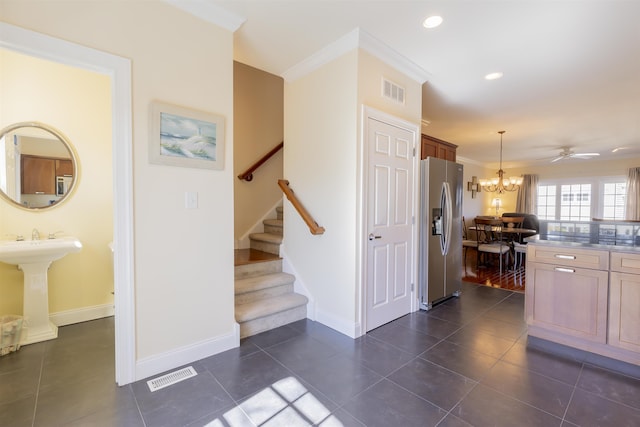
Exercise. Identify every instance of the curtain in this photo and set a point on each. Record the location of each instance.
(633, 195)
(527, 195)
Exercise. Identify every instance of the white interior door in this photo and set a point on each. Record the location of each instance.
(390, 246)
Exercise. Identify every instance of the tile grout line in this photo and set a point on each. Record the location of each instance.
(35, 403)
(575, 387)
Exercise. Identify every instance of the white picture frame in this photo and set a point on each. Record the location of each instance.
(186, 137)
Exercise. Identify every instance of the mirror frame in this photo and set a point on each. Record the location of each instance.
(74, 157)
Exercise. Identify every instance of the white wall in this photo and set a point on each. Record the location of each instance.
(321, 121)
(322, 162)
(183, 257)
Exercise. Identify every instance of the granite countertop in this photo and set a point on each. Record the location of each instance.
(538, 240)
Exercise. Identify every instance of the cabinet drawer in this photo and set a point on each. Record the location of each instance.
(625, 262)
(583, 258)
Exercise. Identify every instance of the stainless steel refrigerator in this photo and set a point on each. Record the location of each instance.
(440, 262)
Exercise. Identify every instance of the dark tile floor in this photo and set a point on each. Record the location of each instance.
(467, 362)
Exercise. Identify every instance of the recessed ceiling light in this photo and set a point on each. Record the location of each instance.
(432, 21)
(493, 76)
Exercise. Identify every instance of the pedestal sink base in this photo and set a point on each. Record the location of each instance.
(42, 333)
(36, 304)
(34, 258)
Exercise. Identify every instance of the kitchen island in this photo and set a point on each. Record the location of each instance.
(583, 287)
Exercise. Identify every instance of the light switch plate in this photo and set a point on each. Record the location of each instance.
(191, 200)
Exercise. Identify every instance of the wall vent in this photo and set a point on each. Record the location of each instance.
(392, 91)
(171, 378)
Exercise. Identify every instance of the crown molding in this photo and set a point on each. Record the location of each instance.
(357, 38)
(210, 12)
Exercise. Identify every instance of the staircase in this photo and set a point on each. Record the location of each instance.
(264, 297)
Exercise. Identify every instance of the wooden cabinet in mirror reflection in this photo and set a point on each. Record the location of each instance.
(38, 174)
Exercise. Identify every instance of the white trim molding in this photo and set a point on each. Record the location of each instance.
(162, 362)
(344, 326)
(79, 315)
(298, 286)
(119, 70)
(357, 38)
(210, 12)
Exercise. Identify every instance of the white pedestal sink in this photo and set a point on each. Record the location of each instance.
(34, 258)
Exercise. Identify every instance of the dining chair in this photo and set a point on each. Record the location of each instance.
(514, 239)
(512, 222)
(467, 242)
(490, 241)
(520, 250)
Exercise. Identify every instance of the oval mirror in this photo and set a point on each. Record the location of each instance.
(38, 165)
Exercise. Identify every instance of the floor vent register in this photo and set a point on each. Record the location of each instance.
(171, 378)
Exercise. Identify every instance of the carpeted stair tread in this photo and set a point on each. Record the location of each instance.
(269, 306)
(273, 222)
(256, 283)
(266, 237)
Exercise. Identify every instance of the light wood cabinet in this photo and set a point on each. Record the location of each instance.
(585, 298)
(434, 147)
(624, 301)
(567, 299)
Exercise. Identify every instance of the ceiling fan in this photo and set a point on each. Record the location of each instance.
(568, 153)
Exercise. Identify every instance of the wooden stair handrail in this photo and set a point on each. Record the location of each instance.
(248, 174)
(313, 226)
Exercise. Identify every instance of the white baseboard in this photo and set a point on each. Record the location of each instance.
(350, 329)
(159, 363)
(243, 242)
(84, 314)
(299, 286)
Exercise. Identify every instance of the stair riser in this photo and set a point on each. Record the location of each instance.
(276, 320)
(274, 229)
(258, 269)
(264, 293)
(279, 211)
(272, 248)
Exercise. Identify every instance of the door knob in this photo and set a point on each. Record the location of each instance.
(371, 236)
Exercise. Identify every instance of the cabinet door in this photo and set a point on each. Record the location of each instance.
(568, 300)
(38, 175)
(429, 148)
(434, 147)
(64, 167)
(624, 311)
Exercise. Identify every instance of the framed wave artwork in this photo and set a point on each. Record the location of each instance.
(187, 138)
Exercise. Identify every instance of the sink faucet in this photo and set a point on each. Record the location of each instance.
(35, 234)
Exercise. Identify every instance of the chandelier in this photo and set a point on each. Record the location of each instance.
(501, 184)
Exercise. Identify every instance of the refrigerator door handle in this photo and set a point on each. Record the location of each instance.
(447, 212)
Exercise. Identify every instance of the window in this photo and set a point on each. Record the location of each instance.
(614, 200)
(581, 200)
(546, 202)
(576, 202)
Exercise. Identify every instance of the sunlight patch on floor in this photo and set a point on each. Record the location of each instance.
(285, 402)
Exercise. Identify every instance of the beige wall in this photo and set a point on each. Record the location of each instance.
(183, 257)
(322, 161)
(76, 102)
(258, 104)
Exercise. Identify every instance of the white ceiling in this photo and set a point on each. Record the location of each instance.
(571, 68)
